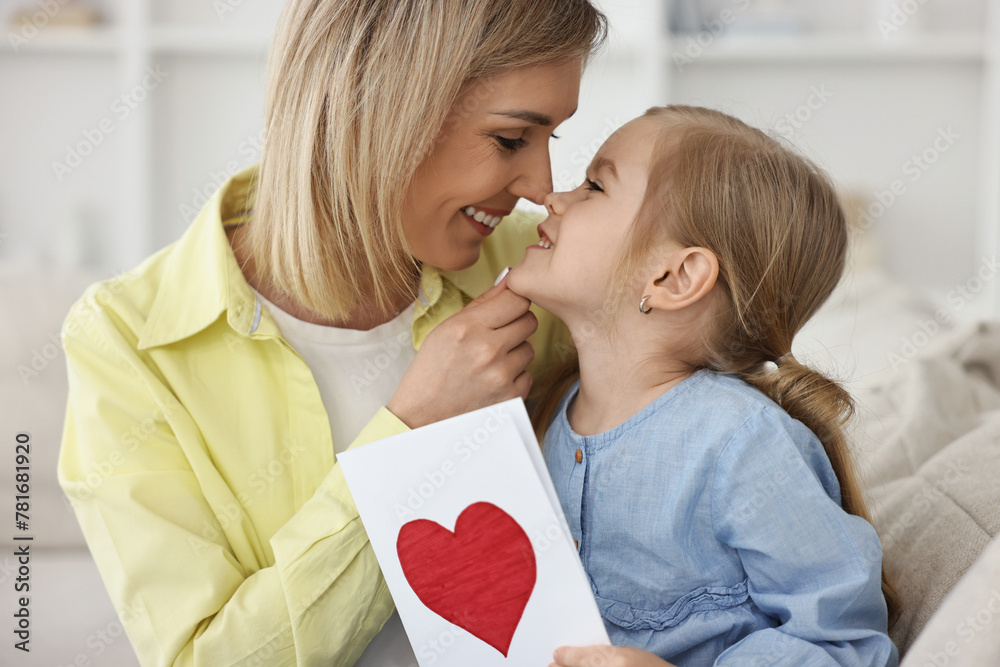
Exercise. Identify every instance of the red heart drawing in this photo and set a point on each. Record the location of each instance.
(479, 577)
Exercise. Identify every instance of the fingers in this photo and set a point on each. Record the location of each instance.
(491, 292)
(605, 656)
(522, 384)
(575, 656)
(520, 357)
(517, 332)
(499, 286)
(568, 656)
(499, 305)
(594, 656)
(500, 308)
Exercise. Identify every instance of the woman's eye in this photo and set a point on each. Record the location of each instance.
(510, 145)
(594, 187)
(555, 137)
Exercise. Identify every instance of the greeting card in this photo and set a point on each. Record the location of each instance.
(471, 538)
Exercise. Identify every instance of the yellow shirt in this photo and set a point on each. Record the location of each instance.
(198, 458)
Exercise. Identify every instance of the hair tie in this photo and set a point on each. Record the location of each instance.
(773, 366)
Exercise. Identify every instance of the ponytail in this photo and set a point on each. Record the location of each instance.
(825, 408)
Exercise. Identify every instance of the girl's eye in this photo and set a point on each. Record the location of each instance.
(555, 137)
(593, 187)
(510, 145)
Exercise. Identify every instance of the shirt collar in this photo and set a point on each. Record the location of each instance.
(471, 282)
(201, 278)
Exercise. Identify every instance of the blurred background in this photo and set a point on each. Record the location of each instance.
(121, 118)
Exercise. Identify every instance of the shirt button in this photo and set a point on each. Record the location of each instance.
(579, 456)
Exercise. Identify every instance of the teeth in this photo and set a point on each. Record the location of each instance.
(545, 243)
(490, 221)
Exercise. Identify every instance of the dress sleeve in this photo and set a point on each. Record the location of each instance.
(182, 594)
(811, 566)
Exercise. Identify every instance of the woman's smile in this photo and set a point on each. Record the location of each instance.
(484, 220)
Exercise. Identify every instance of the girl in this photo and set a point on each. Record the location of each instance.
(703, 470)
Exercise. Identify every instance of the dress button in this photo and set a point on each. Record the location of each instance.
(579, 456)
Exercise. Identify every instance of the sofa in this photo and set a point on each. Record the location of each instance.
(72, 620)
(926, 442)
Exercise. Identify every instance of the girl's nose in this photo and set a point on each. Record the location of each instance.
(549, 205)
(556, 202)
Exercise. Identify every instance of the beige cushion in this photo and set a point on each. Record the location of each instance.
(965, 630)
(33, 304)
(928, 450)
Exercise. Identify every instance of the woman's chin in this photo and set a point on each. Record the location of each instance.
(457, 260)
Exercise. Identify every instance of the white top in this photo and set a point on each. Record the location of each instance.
(357, 372)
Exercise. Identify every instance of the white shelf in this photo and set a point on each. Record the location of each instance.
(833, 48)
(183, 40)
(53, 40)
(188, 40)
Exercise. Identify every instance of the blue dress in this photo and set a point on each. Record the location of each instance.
(711, 529)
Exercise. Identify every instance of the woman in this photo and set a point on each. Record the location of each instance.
(298, 316)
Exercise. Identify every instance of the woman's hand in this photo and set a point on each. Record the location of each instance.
(605, 656)
(477, 357)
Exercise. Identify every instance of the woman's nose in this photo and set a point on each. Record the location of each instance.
(535, 178)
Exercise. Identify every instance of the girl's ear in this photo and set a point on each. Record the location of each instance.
(688, 275)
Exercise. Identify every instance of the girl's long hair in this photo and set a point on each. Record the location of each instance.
(774, 222)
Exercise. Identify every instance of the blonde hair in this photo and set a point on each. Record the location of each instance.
(357, 92)
(774, 222)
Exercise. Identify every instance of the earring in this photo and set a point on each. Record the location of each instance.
(642, 305)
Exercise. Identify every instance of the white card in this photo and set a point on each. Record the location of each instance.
(504, 586)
